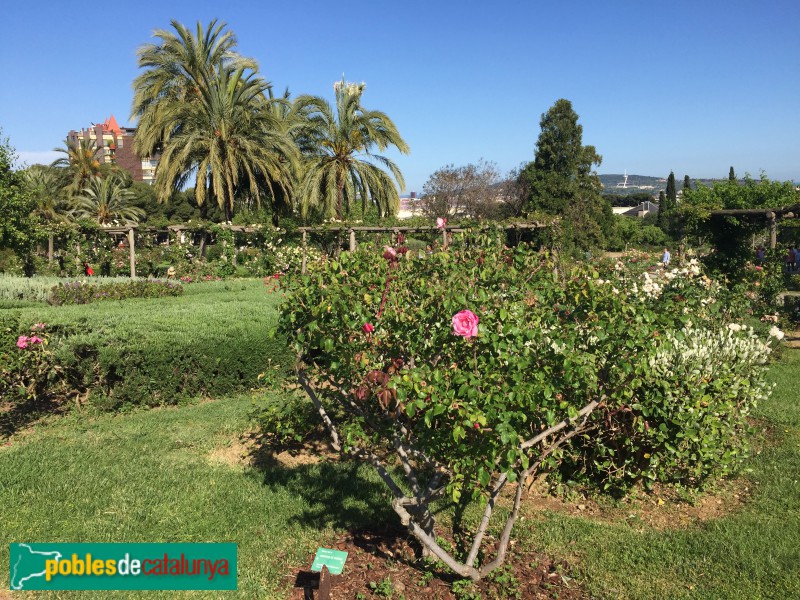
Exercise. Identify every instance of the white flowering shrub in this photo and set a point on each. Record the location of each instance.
(702, 374)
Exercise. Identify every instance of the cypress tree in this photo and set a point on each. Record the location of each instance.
(662, 200)
(672, 194)
(687, 183)
(731, 176)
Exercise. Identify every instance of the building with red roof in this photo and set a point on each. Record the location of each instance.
(116, 147)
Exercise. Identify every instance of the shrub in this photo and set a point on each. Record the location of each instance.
(391, 352)
(82, 292)
(28, 372)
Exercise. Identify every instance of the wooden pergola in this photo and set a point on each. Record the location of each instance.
(130, 232)
(771, 215)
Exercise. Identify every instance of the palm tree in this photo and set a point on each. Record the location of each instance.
(80, 163)
(46, 185)
(230, 141)
(340, 165)
(106, 201)
(204, 108)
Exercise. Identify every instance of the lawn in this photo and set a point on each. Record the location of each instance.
(172, 475)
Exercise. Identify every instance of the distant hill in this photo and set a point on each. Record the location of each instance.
(636, 184)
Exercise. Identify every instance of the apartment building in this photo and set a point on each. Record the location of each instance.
(116, 147)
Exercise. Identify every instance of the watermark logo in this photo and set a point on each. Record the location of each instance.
(82, 566)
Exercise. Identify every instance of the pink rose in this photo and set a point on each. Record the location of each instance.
(440, 222)
(465, 324)
(35, 340)
(38, 327)
(22, 341)
(367, 328)
(389, 253)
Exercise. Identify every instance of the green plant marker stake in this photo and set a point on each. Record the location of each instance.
(333, 559)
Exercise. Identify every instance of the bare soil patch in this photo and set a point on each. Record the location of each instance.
(664, 508)
(384, 564)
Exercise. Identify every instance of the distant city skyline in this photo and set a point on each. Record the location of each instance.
(684, 86)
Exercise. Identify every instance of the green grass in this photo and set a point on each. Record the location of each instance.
(153, 476)
(753, 553)
(213, 340)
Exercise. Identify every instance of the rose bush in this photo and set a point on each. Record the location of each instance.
(609, 376)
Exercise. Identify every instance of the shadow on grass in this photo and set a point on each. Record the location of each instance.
(341, 495)
(17, 416)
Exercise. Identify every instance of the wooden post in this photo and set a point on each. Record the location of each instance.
(444, 237)
(203, 244)
(773, 230)
(324, 592)
(352, 241)
(50, 248)
(132, 252)
(303, 266)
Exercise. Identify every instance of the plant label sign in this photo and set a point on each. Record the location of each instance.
(333, 559)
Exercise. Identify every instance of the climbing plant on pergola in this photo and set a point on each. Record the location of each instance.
(729, 214)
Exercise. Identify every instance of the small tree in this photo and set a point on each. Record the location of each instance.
(687, 183)
(732, 176)
(470, 191)
(17, 207)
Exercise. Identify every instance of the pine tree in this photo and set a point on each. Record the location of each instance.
(561, 172)
(561, 180)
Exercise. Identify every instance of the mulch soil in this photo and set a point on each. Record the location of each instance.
(384, 564)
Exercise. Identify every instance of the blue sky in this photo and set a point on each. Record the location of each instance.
(693, 87)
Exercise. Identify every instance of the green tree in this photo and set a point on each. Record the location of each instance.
(662, 208)
(206, 109)
(561, 171)
(18, 225)
(177, 70)
(80, 163)
(107, 201)
(561, 181)
(340, 163)
(732, 176)
(44, 183)
(687, 183)
(672, 193)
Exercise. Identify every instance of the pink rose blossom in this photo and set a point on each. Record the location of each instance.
(465, 324)
(22, 341)
(389, 253)
(38, 327)
(35, 340)
(440, 222)
(367, 328)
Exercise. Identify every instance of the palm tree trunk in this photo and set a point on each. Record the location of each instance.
(339, 196)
